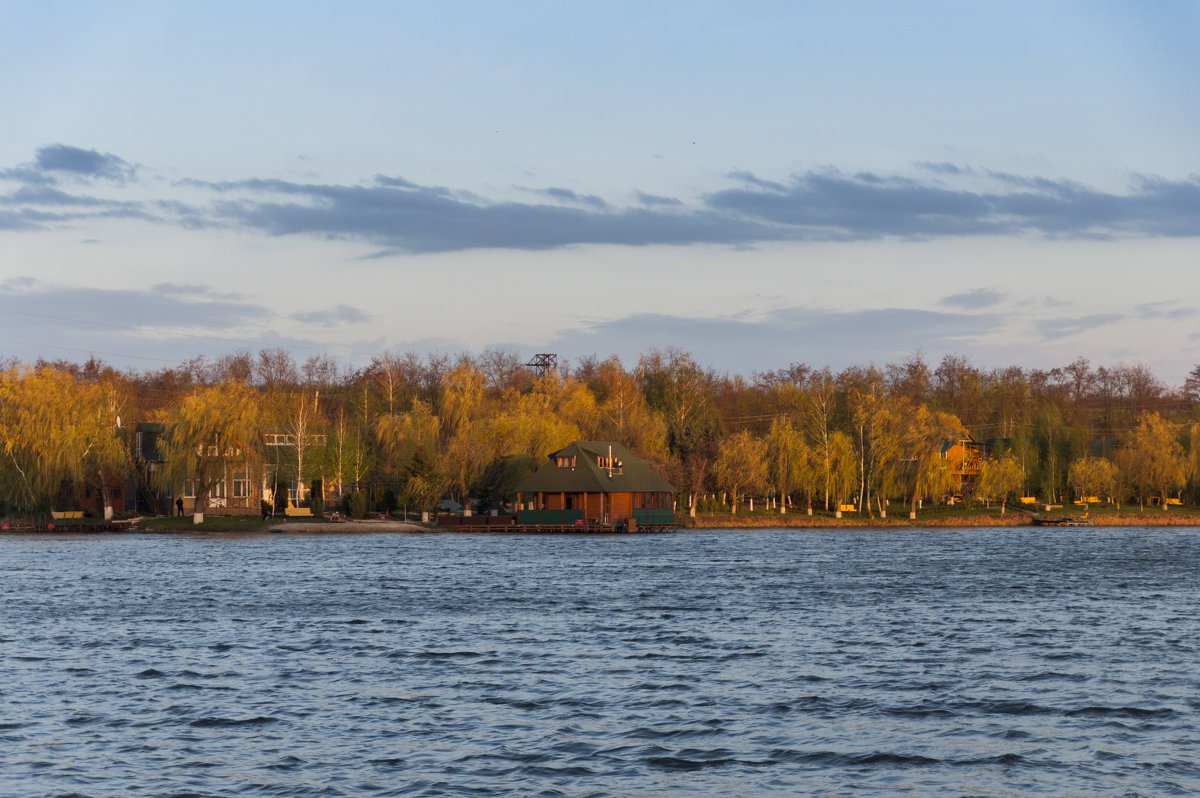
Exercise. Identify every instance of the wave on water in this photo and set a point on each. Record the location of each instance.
(998, 662)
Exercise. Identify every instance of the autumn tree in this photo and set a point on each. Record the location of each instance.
(400, 435)
(206, 432)
(928, 474)
(57, 433)
(842, 475)
(1092, 476)
(678, 389)
(787, 460)
(1155, 456)
(741, 465)
(999, 478)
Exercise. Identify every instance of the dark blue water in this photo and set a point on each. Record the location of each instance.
(986, 662)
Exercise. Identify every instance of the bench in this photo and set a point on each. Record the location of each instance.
(847, 508)
(68, 515)
(298, 512)
(1029, 500)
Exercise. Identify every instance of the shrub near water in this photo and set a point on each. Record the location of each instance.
(354, 505)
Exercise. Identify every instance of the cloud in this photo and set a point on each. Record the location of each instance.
(83, 163)
(801, 334)
(656, 200)
(395, 214)
(567, 195)
(943, 168)
(833, 205)
(974, 299)
(418, 219)
(1053, 329)
(1172, 311)
(333, 317)
(28, 304)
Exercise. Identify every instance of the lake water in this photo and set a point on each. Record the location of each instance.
(990, 662)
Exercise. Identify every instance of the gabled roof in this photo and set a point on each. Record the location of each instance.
(633, 476)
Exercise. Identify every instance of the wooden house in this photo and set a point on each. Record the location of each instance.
(595, 482)
(965, 456)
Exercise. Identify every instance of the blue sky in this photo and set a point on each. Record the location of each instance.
(759, 184)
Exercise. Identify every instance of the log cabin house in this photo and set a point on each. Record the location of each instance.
(595, 483)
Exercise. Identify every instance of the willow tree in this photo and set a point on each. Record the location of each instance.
(929, 474)
(787, 460)
(1000, 478)
(207, 432)
(1092, 476)
(400, 435)
(56, 432)
(741, 464)
(842, 474)
(1155, 458)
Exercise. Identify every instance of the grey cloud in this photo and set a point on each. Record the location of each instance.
(749, 177)
(419, 220)
(1166, 310)
(190, 291)
(833, 205)
(337, 315)
(83, 163)
(656, 200)
(47, 195)
(943, 168)
(398, 215)
(567, 195)
(974, 299)
(1053, 329)
(784, 336)
(34, 304)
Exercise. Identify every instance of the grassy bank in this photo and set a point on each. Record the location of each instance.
(945, 516)
(212, 523)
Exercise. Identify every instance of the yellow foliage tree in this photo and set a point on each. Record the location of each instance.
(741, 464)
(206, 432)
(56, 433)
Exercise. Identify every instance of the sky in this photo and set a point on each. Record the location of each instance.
(756, 183)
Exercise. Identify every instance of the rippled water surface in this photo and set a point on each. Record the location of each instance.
(991, 662)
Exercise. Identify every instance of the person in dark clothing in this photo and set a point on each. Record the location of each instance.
(179, 507)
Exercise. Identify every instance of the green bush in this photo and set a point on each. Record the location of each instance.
(316, 503)
(354, 505)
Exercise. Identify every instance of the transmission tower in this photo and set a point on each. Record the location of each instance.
(543, 364)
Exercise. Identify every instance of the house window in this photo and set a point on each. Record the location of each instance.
(218, 490)
(566, 461)
(241, 488)
(189, 489)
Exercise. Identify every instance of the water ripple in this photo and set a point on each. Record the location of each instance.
(1003, 662)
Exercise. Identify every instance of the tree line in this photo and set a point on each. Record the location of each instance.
(418, 428)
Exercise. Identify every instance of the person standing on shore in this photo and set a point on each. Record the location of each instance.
(179, 507)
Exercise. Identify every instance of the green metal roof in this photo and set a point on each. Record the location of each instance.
(633, 476)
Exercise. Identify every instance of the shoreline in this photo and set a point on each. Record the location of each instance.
(1017, 519)
(1150, 518)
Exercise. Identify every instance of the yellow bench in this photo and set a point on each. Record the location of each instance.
(68, 515)
(1176, 502)
(1088, 500)
(847, 508)
(1029, 500)
(299, 512)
